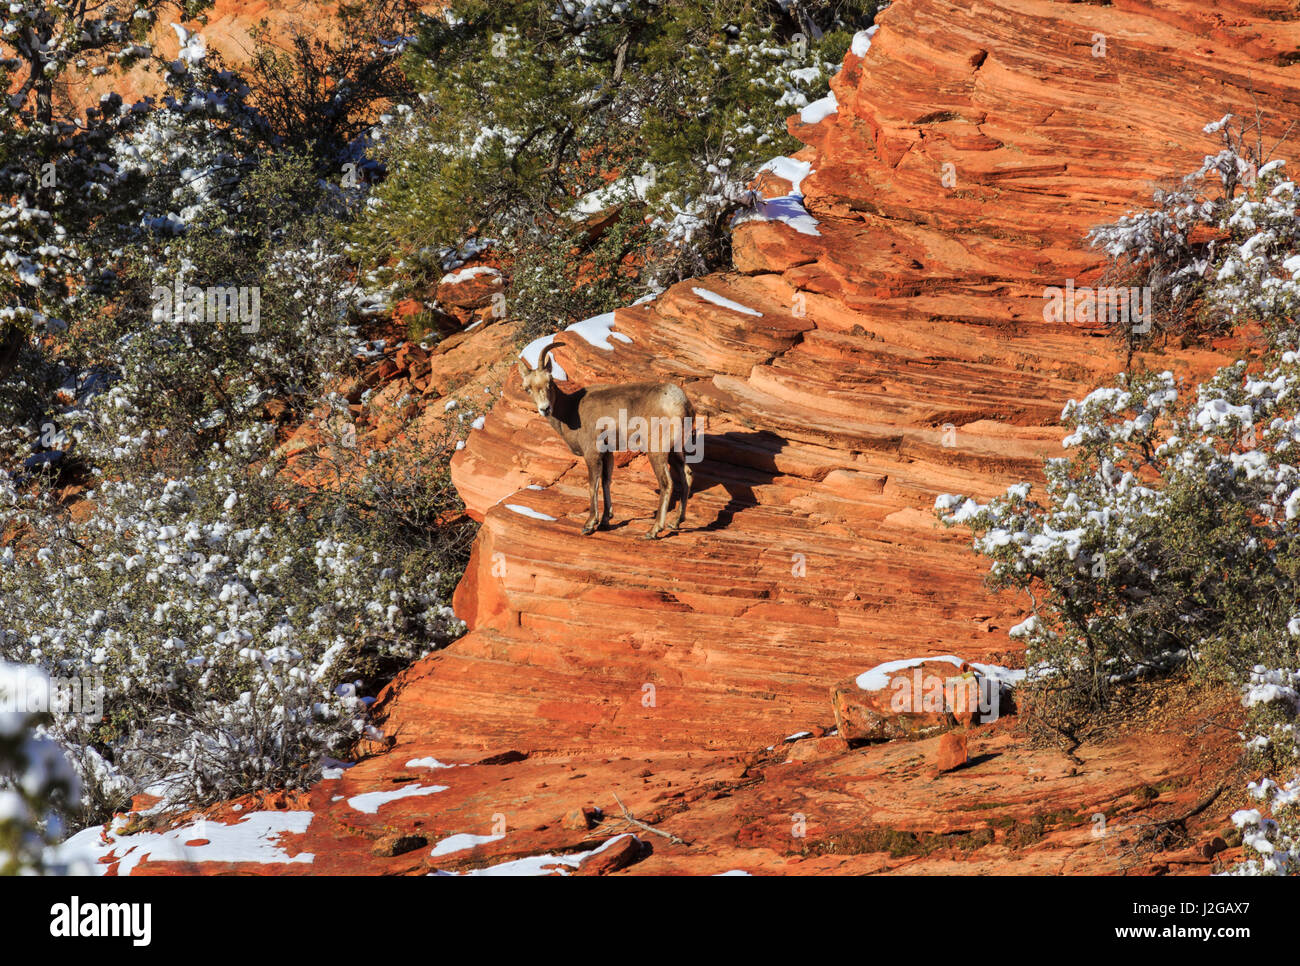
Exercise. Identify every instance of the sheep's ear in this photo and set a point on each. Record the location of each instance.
(523, 368)
(546, 364)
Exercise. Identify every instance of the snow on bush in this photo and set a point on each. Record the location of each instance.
(224, 621)
(238, 623)
(36, 781)
(1214, 250)
(533, 117)
(1168, 533)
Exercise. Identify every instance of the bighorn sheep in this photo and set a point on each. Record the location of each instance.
(595, 423)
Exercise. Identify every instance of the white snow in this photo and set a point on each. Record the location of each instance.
(788, 209)
(1026, 628)
(461, 842)
(862, 40)
(193, 50)
(597, 331)
(465, 274)
(877, 678)
(252, 839)
(996, 672)
(528, 512)
(789, 169)
(370, 802)
(427, 763)
(543, 864)
(820, 109)
(619, 190)
(785, 208)
(726, 303)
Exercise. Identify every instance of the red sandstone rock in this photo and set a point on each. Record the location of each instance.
(581, 819)
(613, 858)
(916, 702)
(814, 749)
(409, 355)
(475, 288)
(143, 802)
(952, 751)
(382, 372)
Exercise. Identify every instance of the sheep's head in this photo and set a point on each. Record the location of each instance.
(540, 383)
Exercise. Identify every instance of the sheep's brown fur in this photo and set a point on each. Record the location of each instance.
(583, 419)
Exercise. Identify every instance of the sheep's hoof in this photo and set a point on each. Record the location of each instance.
(652, 535)
(589, 529)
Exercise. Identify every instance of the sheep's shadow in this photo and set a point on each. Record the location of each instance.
(739, 462)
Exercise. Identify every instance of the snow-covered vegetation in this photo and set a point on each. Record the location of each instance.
(226, 627)
(172, 277)
(1167, 535)
(1207, 249)
(37, 783)
(601, 147)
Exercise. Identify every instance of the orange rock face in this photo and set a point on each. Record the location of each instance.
(848, 377)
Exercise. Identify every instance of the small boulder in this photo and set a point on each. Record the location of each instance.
(952, 751)
(410, 355)
(385, 370)
(469, 288)
(582, 819)
(916, 699)
(619, 854)
(397, 844)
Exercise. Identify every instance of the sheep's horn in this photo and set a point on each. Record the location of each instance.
(546, 350)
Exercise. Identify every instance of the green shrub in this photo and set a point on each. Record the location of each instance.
(533, 118)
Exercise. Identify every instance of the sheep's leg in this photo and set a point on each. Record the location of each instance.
(677, 464)
(606, 473)
(593, 484)
(659, 462)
